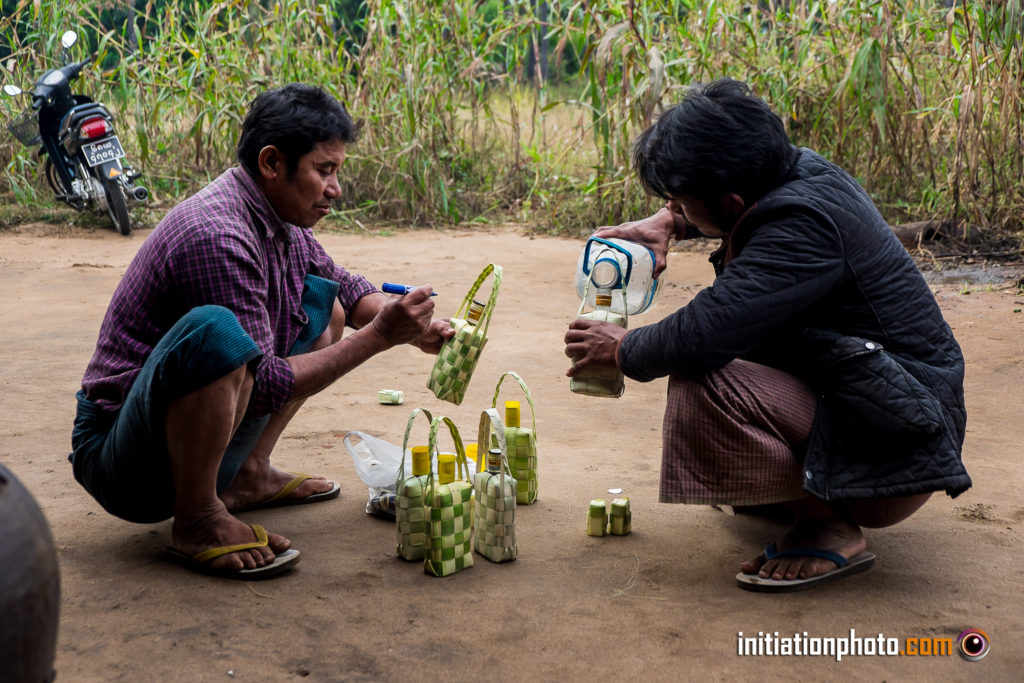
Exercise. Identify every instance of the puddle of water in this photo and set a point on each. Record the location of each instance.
(972, 275)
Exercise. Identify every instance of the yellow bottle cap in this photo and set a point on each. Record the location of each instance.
(603, 300)
(471, 454)
(512, 414)
(420, 461)
(445, 468)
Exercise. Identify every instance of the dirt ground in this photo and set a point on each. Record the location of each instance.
(660, 604)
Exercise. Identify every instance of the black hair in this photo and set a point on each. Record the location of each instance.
(293, 119)
(720, 139)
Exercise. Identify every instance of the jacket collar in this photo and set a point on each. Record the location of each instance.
(734, 240)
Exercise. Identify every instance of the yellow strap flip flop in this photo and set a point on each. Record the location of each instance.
(200, 562)
(281, 497)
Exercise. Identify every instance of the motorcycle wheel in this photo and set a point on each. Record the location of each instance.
(52, 178)
(117, 206)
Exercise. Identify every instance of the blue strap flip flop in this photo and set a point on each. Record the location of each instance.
(753, 582)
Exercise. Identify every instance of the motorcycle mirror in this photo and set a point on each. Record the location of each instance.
(68, 39)
(12, 90)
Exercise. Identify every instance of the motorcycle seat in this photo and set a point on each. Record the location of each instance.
(82, 111)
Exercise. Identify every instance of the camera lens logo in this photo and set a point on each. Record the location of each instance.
(972, 644)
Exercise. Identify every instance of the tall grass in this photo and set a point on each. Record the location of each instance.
(921, 102)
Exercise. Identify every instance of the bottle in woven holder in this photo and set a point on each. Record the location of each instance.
(597, 518)
(458, 356)
(601, 381)
(522, 454)
(410, 522)
(495, 511)
(450, 522)
(620, 521)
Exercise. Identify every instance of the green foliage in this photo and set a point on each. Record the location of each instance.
(921, 102)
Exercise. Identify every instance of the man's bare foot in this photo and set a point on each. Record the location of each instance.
(252, 487)
(219, 528)
(835, 535)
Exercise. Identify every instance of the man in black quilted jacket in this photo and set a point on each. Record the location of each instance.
(816, 372)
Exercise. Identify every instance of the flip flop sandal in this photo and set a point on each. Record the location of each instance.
(281, 498)
(200, 561)
(753, 582)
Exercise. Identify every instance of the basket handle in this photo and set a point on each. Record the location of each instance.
(522, 384)
(405, 441)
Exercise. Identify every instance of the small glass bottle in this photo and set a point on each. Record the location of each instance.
(601, 381)
(476, 309)
(465, 330)
(495, 511)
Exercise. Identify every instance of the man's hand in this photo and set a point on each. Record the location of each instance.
(401, 320)
(653, 232)
(437, 332)
(592, 342)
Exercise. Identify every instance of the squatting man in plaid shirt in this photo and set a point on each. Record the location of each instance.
(230, 315)
(816, 374)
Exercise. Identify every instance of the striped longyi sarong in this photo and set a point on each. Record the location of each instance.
(735, 436)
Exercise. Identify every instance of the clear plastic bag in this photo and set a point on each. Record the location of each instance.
(376, 462)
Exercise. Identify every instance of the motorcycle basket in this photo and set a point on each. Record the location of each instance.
(25, 127)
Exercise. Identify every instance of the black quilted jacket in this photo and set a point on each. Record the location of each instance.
(812, 281)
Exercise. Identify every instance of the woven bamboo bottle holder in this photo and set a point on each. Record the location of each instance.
(495, 496)
(447, 509)
(458, 357)
(410, 524)
(597, 518)
(620, 522)
(522, 445)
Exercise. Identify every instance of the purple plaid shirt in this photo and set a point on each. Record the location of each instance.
(224, 245)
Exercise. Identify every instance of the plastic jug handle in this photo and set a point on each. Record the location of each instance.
(610, 245)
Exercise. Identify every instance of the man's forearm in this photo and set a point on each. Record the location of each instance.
(317, 370)
(366, 309)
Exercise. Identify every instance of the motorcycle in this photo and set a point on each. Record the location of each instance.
(85, 163)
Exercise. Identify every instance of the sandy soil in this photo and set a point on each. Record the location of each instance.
(660, 604)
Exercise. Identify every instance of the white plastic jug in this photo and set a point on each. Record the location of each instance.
(621, 266)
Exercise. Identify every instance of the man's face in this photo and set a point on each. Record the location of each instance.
(306, 196)
(705, 218)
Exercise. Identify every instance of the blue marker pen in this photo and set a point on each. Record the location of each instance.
(392, 288)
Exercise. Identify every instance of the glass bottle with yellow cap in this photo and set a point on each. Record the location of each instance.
(600, 381)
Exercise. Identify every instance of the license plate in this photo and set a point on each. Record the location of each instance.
(100, 152)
